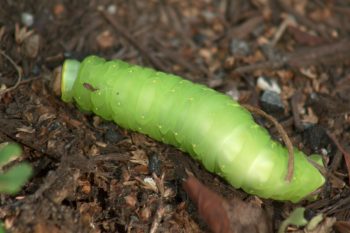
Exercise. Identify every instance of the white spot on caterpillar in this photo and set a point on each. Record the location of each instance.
(263, 164)
(114, 65)
(233, 104)
(255, 126)
(194, 145)
(139, 128)
(273, 144)
(176, 133)
(143, 116)
(159, 126)
(118, 104)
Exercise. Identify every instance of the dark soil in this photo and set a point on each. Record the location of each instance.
(91, 175)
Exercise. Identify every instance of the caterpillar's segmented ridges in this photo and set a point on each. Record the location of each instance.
(209, 125)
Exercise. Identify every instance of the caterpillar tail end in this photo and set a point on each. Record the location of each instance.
(69, 74)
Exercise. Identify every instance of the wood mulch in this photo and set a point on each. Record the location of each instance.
(93, 176)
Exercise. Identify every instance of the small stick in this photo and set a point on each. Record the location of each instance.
(18, 69)
(343, 151)
(283, 134)
(295, 111)
(325, 54)
(160, 210)
(282, 28)
(326, 174)
(124, 33)
(158, 217)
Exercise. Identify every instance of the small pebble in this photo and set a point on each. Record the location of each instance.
(208, 15)
(27, 19)
(234, 93)
(112, 136)
(239, 47)
(112, 9)
(267, 84)
(154, 164)
(54, 125)
(36, 70)
(59, 10)
(199, 39)
(271, 102)
(316, 136)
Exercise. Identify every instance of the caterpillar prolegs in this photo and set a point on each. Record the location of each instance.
(209, 125)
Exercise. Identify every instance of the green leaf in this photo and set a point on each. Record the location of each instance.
(12, 181)
(2, 230)
(8, 152)
(295, 218)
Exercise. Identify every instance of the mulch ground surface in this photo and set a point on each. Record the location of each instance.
(91, 175)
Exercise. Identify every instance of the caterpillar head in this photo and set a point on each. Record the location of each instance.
(69, 74)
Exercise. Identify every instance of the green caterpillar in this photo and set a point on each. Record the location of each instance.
(209, 125)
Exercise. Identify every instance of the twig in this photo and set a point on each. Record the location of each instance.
(261, 66)
(158, 217)
(320, 168)
(326, 54)
(304, 20)
(281, 29)
(175, 56)
(160, 210)
(295, 110)
(336, 161)
(29, 80)
(7, 130)
(343, 151)
(18, 69)
(244, 29)
(327, 174)
(124, 33)
(284, 136)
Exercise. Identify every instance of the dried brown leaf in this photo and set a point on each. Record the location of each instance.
(105, 40)
(130, 200)
(222, 216)
(342, 226)
(31, 46)
(22, 33)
